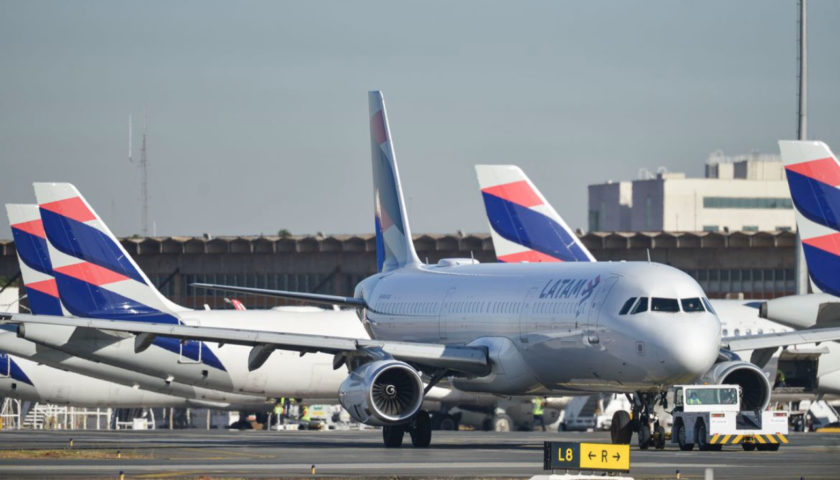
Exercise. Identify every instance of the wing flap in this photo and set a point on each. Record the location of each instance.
(770, 340)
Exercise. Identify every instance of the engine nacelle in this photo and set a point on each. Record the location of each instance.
(755, 387)
(384, 392)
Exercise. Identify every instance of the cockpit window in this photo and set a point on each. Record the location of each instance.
(627, 305)
(664, 305)
(692, 305)
(708, 305)
(641, 306)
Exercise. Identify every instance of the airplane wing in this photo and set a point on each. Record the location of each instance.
(460, 359)
(318, 298)
(772, 340)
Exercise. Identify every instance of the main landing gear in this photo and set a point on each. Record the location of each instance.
(643, 421)
(419, 428)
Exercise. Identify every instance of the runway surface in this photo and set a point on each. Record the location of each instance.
(194, 453)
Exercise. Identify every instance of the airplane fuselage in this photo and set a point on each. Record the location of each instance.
(562, 319)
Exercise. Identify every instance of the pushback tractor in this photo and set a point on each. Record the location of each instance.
(710, 417)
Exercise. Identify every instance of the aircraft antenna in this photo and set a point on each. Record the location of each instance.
(801, 283)
(647, 250)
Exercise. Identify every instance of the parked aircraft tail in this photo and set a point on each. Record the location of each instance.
(394, 246)
(34, 259)
(94, 274)
(524, 227)
(813, 175)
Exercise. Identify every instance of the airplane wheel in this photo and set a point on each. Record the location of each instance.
(659, 437)
(448, 422)
(421, 430)
(621, 429)
(681, 440)
(748, 447)
(644, 437)
(392, 435)
(501, 423)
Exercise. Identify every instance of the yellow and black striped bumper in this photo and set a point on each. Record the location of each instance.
(718, 439)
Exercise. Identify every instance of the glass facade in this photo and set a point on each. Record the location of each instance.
(753, 283)
(747, 202)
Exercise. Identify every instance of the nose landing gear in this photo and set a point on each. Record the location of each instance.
(643, 421)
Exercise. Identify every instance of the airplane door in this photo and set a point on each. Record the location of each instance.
(598, 297)
(443, 314)
(527, 322)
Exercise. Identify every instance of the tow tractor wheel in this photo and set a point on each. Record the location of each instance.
(701, 437)
(392, 435)
(659, 437)
(421, 430)
(765, 447)
(621, 431)
(644, 437)
(681, 440)
(748, 446)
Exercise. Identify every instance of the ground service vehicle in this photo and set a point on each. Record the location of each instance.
(710, 416)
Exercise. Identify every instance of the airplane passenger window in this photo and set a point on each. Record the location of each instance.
(664, 305)
(708, 305)
(627, 305)
(725, 332)
(737, 332)
(692, 305)
(641, 306)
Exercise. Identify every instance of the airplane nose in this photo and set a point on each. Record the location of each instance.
(694, 346)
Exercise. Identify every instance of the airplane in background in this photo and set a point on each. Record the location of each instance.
(495, 328)
(813, 175)
(525, 227)
(172, 368)
(38, 278)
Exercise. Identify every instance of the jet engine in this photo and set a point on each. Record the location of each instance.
(755, 388)
(384, 392)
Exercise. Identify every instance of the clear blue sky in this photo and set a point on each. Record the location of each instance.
(258, 110)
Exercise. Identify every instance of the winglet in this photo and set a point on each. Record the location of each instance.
(524, 227)
(813, 175)
(394, 247)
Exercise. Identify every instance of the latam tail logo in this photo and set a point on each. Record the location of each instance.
(525, 227)
(34, 260)
(814, 189)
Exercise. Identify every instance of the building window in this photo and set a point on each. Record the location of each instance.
(594, 221)
(747, 202)
(711, 228)
(750, 228)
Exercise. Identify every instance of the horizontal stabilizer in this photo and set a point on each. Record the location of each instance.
(317, 298)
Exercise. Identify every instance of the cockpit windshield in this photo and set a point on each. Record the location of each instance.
(664, 304)
(692, 305)
(669, 305)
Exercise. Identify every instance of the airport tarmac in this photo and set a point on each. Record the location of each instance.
(194, 453)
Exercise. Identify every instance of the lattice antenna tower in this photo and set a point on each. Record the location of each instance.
(144, 173)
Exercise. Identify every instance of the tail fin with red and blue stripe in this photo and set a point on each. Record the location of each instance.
(813, 175)
(524, 227)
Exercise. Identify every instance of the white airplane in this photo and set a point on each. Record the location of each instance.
(527, 228)
(516, 329)
(813, 175)
(36, 269)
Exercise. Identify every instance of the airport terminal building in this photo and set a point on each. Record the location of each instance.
(755, 264)
(739, 193)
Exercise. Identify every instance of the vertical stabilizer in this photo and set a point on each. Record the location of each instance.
(394, 247)
(96, 277)
(34, 260)
(523, 225)
(813, 175)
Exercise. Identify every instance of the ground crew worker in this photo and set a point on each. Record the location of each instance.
(279, 411)
(780, 379)
(692, 399)
(305, 416)
(537, 410)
